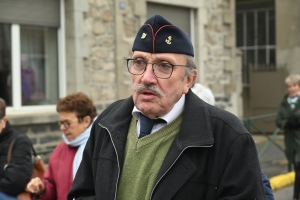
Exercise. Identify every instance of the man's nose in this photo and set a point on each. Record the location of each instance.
(148, 77)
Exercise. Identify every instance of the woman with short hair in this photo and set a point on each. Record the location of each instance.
(288, 119)
(76, 115)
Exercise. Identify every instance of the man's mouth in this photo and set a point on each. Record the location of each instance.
(147, 92)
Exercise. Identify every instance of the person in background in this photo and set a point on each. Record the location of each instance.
(28, 81)
(163, 142)
(76, 115)
(206, 95)
(15, 175)
(288, 119)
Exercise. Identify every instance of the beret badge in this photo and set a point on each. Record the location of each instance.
(168, 40)
(144, 36)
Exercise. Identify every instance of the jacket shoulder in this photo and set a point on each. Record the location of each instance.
(116, 108)
(225, 118)
(21, 138)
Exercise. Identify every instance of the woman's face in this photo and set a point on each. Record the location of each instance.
(293, 89)
(71, 126)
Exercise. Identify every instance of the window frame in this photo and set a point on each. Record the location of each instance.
(256, 47)
(17, 108)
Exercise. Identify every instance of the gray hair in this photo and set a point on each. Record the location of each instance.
(293, 78)
(191, 65)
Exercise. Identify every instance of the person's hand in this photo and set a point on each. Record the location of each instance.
(292, 123)
(35, 186)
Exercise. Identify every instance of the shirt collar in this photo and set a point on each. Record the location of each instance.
(170, 116)
(293, 99)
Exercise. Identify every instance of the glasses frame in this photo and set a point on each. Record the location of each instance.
(147, 63)
(66, 124)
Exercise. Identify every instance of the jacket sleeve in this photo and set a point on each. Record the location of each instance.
(242, 175)
(17, 174)
(280, 119)
(267, 187)
(83, 184)
(48, 180)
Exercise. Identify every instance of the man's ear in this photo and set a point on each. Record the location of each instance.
(190, 80)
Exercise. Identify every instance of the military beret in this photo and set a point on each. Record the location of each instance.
(158, 35)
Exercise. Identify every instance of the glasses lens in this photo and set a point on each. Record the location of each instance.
(65, 124)
(136, 67)
(162, 70)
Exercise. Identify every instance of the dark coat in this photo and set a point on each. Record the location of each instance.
(15, 177)
(291, 135)
(212, 157)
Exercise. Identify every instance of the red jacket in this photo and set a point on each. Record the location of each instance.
(58, 178)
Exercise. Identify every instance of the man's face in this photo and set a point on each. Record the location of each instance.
(151, 103)
(2, 123)
(293, 89)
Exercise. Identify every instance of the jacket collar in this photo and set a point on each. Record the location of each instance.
(6, 131)
(195, 129)
(196, 126)
(286, 104)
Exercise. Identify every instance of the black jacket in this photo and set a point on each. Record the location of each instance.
(16, 175)
(212, 157)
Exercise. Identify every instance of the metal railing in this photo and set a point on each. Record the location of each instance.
(250, 123)
(44, 151)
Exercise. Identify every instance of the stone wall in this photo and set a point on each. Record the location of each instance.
(222, 72)
(91, 41)
(287, 35)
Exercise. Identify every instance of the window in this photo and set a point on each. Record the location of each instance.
(30, 34)
(255, 35)
(39, 71)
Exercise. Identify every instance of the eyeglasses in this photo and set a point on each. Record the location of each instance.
(161, 70)
(66, 124)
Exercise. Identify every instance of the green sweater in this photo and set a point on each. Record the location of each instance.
(143, 159)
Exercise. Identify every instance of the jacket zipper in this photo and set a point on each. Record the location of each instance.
(117, 160)
(173, 164)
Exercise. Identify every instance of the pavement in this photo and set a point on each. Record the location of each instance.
(275, 165)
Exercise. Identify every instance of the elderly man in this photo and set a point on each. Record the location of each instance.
(164, 142)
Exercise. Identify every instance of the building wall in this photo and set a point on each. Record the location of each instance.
(221, 69)
(90, 67)
(99, 36)
(287, 35)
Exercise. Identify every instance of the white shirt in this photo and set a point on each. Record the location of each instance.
(169, 117)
